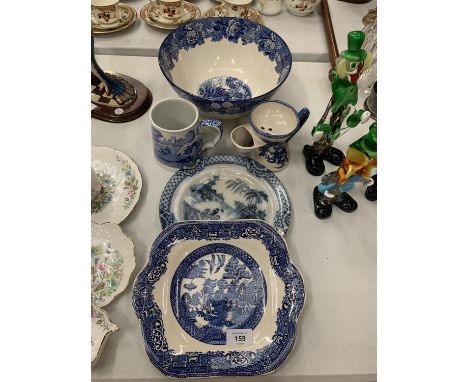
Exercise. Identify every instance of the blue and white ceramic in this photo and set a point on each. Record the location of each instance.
(178, 138)
(264, 139)
(225, 65)
(225, 187)
(277, 121)
(205, 279)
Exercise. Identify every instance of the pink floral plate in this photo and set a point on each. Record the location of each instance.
(121, 185)
(112, 262)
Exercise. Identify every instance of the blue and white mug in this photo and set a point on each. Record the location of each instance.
(178, 138)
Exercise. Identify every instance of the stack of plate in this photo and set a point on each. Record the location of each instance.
(112, 263)
(219, 295)
(150, 14)
(112, 252)
(128, 18)
(218, 11)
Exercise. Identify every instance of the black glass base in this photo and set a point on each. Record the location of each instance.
(371, 191)
(323, 205)
(314, 160)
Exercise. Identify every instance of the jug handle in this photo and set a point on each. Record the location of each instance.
(210, 124)
(303, 115)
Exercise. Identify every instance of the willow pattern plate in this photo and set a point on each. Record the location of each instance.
(121, 185)
(101, 327)
(112, 262)
(225, 187)
(205, 281)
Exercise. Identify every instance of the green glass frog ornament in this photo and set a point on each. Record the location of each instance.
(340, 114)
(357, 166)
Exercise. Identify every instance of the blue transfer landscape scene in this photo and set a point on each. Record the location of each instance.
(209, 201)
(217, 292)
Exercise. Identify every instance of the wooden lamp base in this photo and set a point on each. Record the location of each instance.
(107, 109)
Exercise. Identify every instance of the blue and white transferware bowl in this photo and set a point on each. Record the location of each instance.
(218, 299)
(225, 65)
(225, 187)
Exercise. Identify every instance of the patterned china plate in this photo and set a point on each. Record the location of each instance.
(191, 12)
(205, 282)
(128, 18)
(225, 187)
(112, 262)
(217, 11)
(101, 327)
(121, 185)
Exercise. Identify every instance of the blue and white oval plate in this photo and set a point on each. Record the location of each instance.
(225, 187)
(218, 299)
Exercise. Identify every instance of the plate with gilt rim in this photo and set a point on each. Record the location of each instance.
(225, 187)
(126, 22)
(191, 12)
(206, 280)
(121, 185)
(218, 11)
(101, 327)
(112, 262)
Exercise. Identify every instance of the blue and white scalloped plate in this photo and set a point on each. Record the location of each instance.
(225, 187)
(206, 282)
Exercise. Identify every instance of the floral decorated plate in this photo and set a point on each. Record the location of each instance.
(225, 187)
(218, 11)
(121, 185)
(101, 326)
(218, 299)
(154, 19)
(129, 16)
(112, 262)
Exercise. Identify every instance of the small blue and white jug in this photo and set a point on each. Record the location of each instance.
(178, 138)
(264, 139)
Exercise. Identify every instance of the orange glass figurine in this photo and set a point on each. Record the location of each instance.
(360, 160)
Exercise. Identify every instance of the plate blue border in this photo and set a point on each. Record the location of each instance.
(218, 363)
(282, 217)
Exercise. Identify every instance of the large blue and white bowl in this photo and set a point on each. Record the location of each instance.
(225, 65)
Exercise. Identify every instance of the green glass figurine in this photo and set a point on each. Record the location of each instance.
(344, 78)
(360, 160)
(370, 104)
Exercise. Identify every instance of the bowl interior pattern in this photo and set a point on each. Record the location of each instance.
(224, 64)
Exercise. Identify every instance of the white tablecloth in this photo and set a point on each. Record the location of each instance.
(337, 257)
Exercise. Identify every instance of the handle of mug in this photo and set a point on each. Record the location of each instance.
(215, 126)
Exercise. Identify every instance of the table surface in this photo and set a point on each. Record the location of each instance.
(337, 257)
(305, 36)
(347, 17)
